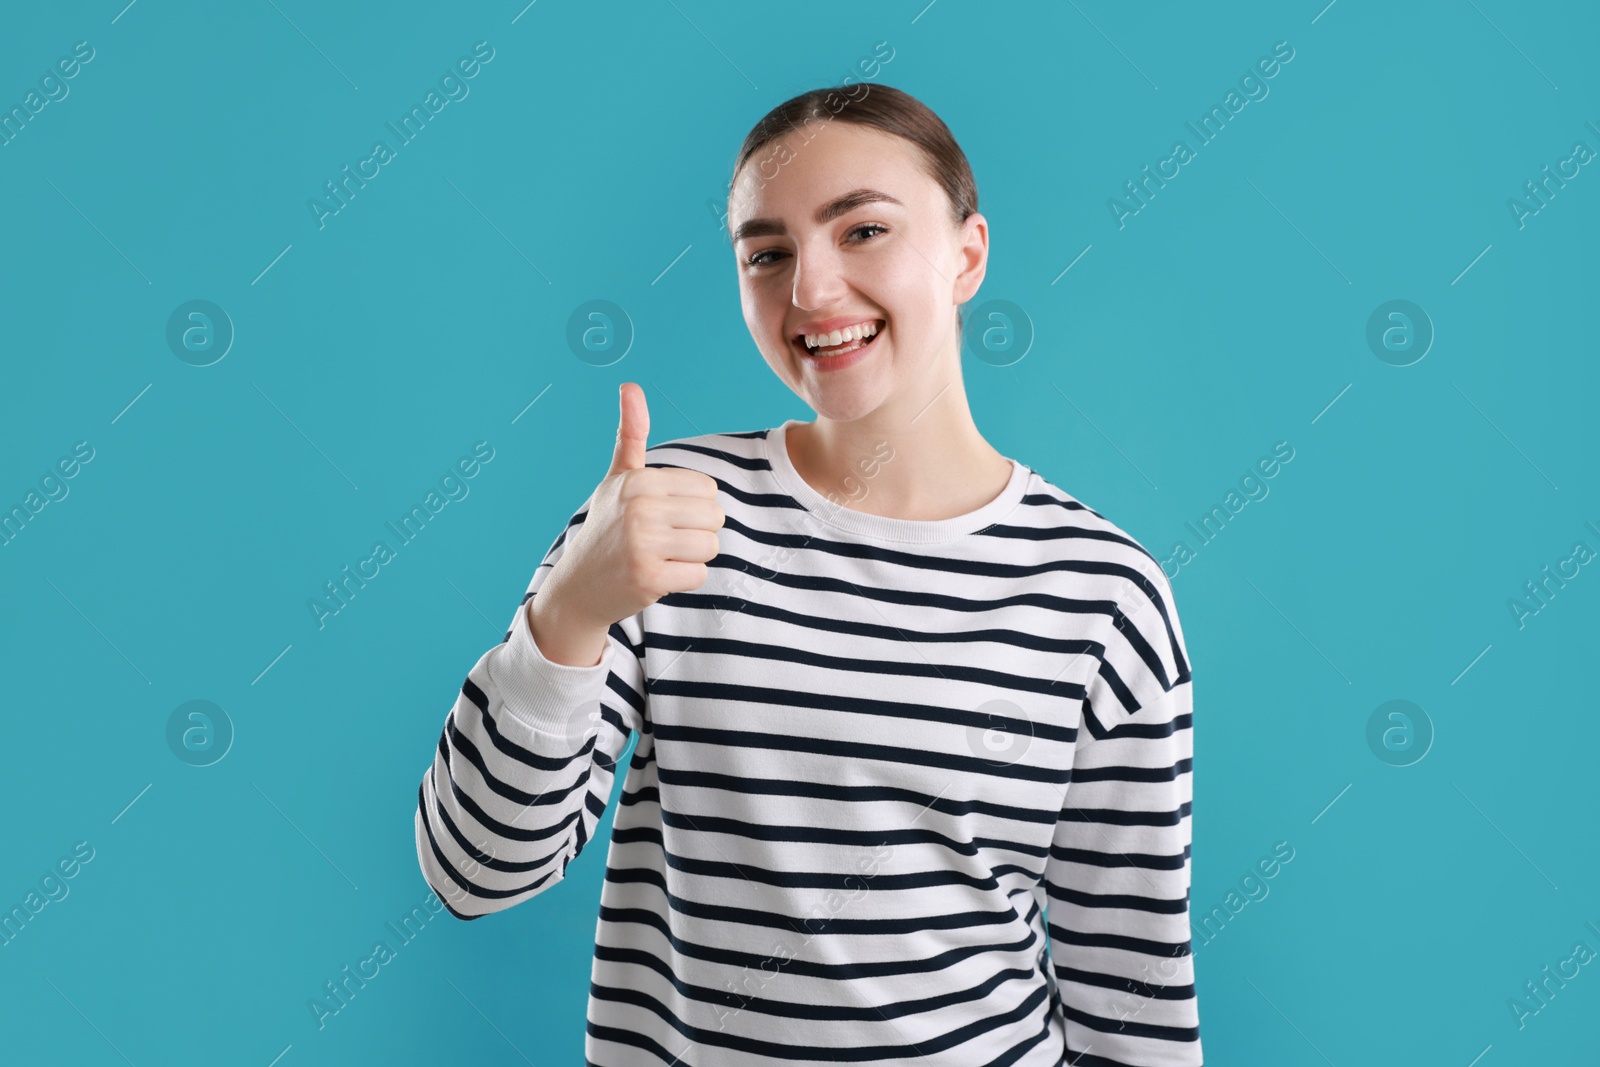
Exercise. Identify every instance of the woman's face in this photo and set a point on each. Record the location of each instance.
(884, 251)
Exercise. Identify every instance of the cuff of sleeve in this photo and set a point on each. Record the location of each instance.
(547, 697)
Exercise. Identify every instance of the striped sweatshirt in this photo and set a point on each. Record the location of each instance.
(904, 791)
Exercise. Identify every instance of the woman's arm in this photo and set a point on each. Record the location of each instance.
(1118, 872)
(525, 763)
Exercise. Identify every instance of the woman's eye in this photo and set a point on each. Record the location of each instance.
(756, 260)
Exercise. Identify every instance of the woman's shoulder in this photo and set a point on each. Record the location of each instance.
(1142, 587)
(1085, 531)
(712, 453)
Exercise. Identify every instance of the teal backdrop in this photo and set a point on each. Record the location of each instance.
(217, 394)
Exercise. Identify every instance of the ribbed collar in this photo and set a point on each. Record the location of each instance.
(878, 526)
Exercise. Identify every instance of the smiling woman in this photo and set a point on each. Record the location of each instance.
(912, 780)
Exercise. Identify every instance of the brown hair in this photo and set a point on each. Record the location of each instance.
(885, 108)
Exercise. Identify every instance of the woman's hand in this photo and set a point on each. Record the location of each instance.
(649, 531)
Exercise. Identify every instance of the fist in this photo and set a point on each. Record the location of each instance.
(650, 531)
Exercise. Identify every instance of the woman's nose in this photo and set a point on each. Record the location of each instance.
(818, 278)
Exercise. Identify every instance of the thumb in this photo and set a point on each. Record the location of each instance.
(632, 430)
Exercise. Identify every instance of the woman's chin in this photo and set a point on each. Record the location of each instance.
(843, 404)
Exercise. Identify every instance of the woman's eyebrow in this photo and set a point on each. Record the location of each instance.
(826, 213)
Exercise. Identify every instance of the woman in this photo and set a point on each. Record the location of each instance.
(896, 695)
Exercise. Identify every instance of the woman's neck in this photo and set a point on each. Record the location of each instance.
(938, 465)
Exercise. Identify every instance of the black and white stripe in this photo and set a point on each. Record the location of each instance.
(904, 792)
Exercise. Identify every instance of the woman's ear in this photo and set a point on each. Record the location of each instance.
(972, 257)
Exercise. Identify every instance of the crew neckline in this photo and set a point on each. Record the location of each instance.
(880, 526)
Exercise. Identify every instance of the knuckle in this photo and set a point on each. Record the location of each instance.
(636, 519)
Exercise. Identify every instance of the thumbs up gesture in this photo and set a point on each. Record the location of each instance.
(650, 531)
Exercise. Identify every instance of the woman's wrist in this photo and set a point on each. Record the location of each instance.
(560, 637)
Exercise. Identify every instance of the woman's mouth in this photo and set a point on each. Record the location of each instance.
(842, 355)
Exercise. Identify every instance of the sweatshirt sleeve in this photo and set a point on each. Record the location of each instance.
(1118, 875)
(524, 766)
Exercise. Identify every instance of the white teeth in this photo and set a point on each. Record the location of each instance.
(839, 337)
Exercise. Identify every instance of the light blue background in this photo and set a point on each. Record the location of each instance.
(429, 313)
